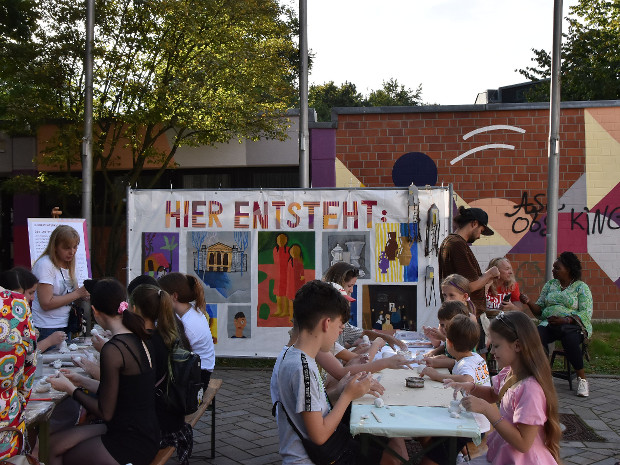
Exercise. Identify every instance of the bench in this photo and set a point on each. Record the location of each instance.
(208, 402)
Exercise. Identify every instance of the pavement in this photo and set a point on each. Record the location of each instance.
(246, 433)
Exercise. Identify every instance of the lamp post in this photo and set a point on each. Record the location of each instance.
(553, 183)
(304, 164)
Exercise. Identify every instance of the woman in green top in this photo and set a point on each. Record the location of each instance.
(564, 309)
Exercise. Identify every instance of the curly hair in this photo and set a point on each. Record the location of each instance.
(570, 261)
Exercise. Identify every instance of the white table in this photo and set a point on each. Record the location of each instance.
(418, 412)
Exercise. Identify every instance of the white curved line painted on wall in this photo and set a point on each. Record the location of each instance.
(483, 147)
(495, 127)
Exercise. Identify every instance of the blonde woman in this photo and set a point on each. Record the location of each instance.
(503, 292)
(57, 287)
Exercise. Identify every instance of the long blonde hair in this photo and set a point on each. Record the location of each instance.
(517, 325)
(62, 235)
(509, 285)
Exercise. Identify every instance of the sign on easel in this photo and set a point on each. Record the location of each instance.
(39, 232)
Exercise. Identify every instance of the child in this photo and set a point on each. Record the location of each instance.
(57, 288)
(440, 357)
(154, 305)
(188, 301)
(461, 337)
(453, 287)
(319, 312)
(125, 397)
(526, 425)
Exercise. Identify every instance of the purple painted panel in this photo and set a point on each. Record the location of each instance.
(323, 157)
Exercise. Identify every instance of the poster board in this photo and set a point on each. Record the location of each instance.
(39, 232)
(252, 249)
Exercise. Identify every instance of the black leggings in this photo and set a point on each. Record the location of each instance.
(571, 337)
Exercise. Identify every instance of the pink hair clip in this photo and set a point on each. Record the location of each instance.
(122, 307)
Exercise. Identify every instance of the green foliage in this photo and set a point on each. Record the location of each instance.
(590, 67)
(188, 72)
(44, 183)
(604, 349)
(326, 96)
(394, 94)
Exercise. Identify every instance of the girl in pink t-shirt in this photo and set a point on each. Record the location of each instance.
(526, 426)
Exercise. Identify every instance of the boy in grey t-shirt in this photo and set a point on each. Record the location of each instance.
(319, 313)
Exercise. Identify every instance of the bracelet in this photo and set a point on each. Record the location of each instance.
(497, 422)
(76, 390)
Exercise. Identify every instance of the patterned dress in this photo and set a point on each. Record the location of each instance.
(574, 301)
(17, 367)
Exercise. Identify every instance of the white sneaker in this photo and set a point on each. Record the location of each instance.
(583, 390)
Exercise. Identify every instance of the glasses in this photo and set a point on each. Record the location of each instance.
(501, 316)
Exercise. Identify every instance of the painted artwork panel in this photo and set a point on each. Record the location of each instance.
(212, 314)
(285, 263)
(222, 261)
(396, 253)
(160, 253)
(239, 321)
(391, 306)
(353, 248)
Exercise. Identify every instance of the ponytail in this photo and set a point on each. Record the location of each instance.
(155, 305)
(135, 323)
(199, 294)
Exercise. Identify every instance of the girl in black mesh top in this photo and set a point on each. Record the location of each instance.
(125, 397)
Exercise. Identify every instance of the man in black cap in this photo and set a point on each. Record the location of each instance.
(455, 255)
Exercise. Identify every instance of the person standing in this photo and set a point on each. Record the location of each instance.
(456, 257)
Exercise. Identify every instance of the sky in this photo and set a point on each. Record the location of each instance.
(454, 48)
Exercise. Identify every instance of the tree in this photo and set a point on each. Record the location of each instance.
(188, 72)
(326, 96)
(590, 67)
(394, 94)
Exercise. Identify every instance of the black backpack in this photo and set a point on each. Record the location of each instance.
(181, 388)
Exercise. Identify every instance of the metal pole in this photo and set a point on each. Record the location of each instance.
(553, 185)
(87, 139)
(304, 165)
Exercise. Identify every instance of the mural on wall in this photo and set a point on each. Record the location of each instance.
(396, 254)
(347, 247)
(285, 263)
(390, 307)
(221, 260)
(212, 314)
(160, 253)
(239, 322)
(512, 190)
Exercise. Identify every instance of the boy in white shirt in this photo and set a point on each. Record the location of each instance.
(461, 337)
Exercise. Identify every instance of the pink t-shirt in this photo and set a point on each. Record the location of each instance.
(524, 402)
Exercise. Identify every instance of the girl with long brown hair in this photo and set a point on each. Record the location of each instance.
(527, 428)
(188, 301)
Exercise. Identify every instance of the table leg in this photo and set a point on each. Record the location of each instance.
(44, 441)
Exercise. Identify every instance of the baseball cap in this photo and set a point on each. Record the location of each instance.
(478, 214)
(343, 292)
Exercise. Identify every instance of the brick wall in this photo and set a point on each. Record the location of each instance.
(368, 145)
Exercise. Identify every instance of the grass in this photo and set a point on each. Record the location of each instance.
(604, 349)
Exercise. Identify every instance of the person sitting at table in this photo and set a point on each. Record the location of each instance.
(303, 410)
(440, 357)
(346, 275)
(155, 306)
(17, 353)
(22, 281)
(526, 426)
(564, 309)
(461, 337)
(125, 397)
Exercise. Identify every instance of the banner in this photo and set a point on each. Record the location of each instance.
(254, 249)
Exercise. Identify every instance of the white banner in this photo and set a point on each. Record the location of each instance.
(253, 249)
